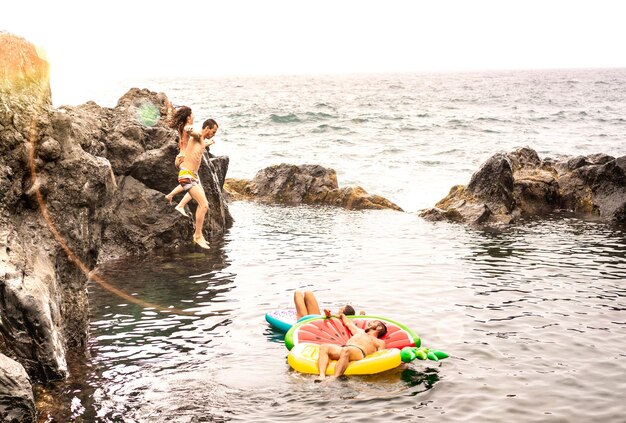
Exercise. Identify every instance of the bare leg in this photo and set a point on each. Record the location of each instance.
(327, 352)
(312, 307)
(322, 361)
(298, 300)
(185, 200)
(197, 193)
(170, 197)
(342, 362)
(180, 207)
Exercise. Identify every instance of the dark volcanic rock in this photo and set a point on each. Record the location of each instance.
(137, 214)
(156, 162)
(598, 187)
(305, 184)
(520, 184)
(493, 184)
(289, 184)
(487, 198)
(213, 177)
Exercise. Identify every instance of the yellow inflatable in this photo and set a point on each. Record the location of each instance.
(303, 358)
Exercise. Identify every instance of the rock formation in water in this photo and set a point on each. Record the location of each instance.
(17, 403)
(520, 184)
(78, 185)
(305, 184)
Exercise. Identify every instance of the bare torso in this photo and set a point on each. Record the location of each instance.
(193, 154)
(367, 343)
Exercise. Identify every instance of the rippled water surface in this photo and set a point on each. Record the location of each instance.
(534, 319)
(533, 316)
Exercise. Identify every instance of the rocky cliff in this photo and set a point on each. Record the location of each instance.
(78, 185)
(519, 184)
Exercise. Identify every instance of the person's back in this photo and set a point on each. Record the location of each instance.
(178, 120)
(183, 140)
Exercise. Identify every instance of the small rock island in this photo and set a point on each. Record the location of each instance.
(519, 184)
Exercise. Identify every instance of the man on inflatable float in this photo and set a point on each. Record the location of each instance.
(362, 343)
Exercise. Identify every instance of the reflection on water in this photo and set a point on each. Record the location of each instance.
(427, 378)
(274, 335)
(532, 316)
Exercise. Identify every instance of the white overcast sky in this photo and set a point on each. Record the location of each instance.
(91, 42)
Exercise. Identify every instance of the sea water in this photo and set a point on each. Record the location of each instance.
(532, 315)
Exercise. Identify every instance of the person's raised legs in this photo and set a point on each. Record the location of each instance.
(298, 300)
(312, 307)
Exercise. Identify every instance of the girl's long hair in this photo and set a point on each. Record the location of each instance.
(179, 118)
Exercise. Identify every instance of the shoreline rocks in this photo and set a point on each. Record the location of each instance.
(305, 184)
(519, 184)
(78, 186)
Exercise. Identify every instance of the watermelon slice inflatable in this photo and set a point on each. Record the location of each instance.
(321, 330)
(303, 358)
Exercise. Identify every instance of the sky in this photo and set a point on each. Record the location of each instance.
(89, 42)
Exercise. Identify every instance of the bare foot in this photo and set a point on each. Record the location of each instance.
(169, 198)
(319, 379)
(181, 210)
(201, 242)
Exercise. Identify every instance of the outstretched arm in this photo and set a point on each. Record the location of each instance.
(192, 133)
(350, 325)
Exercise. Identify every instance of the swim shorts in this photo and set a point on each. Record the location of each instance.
(187, 179)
